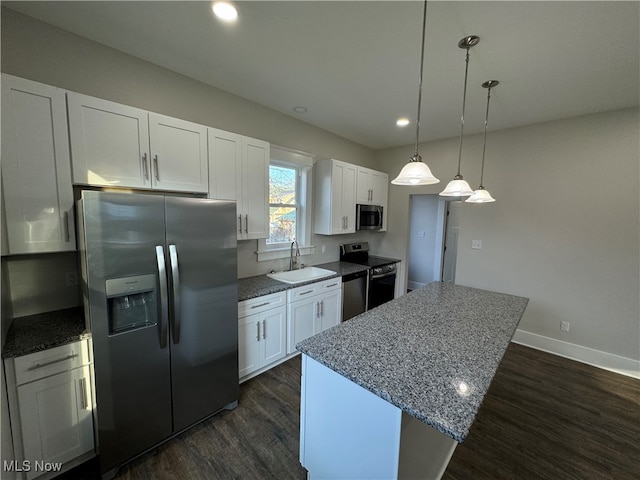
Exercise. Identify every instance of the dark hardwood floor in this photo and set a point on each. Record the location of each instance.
(544, 417)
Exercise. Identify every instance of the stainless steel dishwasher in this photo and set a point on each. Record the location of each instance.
(354, 294)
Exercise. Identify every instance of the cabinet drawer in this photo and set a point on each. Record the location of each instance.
(49, 362)
(260, 304)
(300, 293)
(331, 284)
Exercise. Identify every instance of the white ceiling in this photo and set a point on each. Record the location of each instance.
(354, 65)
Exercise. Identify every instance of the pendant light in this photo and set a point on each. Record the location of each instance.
(481, 195)
(458, 187)
(415, 172)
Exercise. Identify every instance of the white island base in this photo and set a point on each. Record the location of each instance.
(347, 432)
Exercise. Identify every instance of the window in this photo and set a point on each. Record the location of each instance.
(284, 207)
(290, 174)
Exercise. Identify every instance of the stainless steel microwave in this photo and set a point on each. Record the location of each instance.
(368, 217)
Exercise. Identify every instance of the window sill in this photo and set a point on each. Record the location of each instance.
(277, 253)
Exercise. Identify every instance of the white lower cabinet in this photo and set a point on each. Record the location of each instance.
(51, 406)
(262, 332)
(312, 309)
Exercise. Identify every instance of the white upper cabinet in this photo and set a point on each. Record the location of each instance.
(253, 204)
(225, 162)
(121, 146)
(373, 187)
(36, 171)
(335, 201)
(239, 170)
(178, 154)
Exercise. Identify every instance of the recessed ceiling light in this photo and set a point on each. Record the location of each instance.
(300, 109)
(225, 11)
(402, 122)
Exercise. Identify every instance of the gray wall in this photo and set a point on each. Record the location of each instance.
(564, 230)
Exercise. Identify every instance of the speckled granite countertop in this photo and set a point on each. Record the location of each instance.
(42, 331)
(432, 353)
(252, 287)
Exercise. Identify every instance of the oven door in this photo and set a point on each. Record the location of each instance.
(382, 288)
(368, 217)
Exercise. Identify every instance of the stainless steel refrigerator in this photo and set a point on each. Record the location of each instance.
(160, 287)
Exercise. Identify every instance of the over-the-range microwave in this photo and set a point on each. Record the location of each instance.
(368, 217)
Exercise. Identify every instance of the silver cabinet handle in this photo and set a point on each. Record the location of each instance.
(306, 293)
(155, 163)
(332, 285)
(67, 234)
(322, 308)
(83, 391)
(346, 222)
(53, 362)
(264, 329)
(175, 284)
(145, 167)
(317, 309)
(258, 335)
(164, 301)
(260, 305)
(246, 224)
(239, 223)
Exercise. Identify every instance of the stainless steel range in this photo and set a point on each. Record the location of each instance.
(382, 271)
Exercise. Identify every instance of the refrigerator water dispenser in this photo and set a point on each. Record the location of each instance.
(131, 303)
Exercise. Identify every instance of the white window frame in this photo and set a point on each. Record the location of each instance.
(303, 163)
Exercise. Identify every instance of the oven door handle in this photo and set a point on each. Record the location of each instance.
(382, 275)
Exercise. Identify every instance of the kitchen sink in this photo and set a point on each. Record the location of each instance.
(303, 275)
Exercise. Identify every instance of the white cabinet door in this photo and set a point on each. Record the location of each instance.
(302, 318)
(335, 201)
(379, 188)
(109, 143)
(248, 345)
(349, 197)
(179, 154)
(274, 335)
(253, 205)
(262, 339)
(36, 169)
(225, 157)
(330, 308)
(55, 413)
(363, 186)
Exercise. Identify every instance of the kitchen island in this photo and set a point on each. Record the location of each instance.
(390, 393)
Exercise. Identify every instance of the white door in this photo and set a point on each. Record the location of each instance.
(274, 335)
(225, 157)
(255, 188)
(452, 230)
(178, 154)
(330, 309)
(302, 317)
(36, 168)
(56, 417)
(249, 357)
(109, 143)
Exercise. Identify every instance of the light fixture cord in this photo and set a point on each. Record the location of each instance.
(464, 103)
(484, 146)
(416, 157)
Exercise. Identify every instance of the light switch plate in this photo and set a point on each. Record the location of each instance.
(476, 244)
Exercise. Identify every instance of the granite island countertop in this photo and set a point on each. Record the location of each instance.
(42, 331)
(260, 285)
(432, 353)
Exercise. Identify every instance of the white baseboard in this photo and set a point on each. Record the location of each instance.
(411, 285)
(614, 363)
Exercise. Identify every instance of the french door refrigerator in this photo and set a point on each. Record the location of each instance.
(160, 294)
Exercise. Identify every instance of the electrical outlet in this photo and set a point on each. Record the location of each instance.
(72, 278)
(476, 244)
(564, 326)
(324, 249)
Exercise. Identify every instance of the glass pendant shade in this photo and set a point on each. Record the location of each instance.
(480, 196)
(415, 173)
(458, 187)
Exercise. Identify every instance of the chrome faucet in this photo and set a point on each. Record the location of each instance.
(293, 260)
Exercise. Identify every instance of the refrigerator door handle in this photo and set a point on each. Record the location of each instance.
(175, 283)
(164, 303)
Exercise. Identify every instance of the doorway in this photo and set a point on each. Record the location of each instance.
(433, 236)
